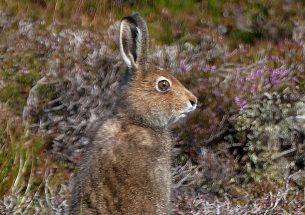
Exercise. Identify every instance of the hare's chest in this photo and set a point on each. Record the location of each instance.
(161, 178)
(161, 172)
(162, 160)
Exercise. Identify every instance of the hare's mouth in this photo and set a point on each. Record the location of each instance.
(187, 111)
(184, 114)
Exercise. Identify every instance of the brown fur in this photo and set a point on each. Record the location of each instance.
(126, 168)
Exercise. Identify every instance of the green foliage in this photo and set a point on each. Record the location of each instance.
(7, 93)
(16, 91)
(166, 35)
(302, 86)
(23, 167)
(2, 136)
(174, 6)
(14, 97)
(27, 79)
(240, 36)
(215, 7)
(47, 92)
(5, 75)
(9, 155)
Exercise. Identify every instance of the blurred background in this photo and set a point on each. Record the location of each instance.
(241, 152)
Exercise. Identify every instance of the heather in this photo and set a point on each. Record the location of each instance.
(241, 151)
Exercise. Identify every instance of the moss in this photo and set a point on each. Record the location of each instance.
(17, 103)
(240, 36)
(14, 97)
(5, 75)
(47, 91)
(27, 79)
(2, 136)
(38, 143)
(302, 86)
(7, 93)
(17, 88)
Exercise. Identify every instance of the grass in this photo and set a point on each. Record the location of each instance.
(27, 79)
(25, 179)
(97, 14)
(240, 36)
(215, 8)
(14, 96)
(18, 85)
(168, 20)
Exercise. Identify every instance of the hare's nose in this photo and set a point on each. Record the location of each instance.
(193, 102)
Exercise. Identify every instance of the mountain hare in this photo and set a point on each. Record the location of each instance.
(126, 168)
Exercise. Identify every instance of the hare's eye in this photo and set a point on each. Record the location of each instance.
(163, 85)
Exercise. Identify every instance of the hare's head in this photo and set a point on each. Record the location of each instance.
(152, 94)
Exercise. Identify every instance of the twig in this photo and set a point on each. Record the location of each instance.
(222, 131)
(282, 154)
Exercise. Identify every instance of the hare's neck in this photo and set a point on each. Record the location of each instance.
(125, 113)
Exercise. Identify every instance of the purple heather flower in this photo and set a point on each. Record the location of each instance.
(54, 46)
(240, 83)
(202, 83)
(198, 130)
(259, 72)
(253, 87)
(185, 67)
(213, 68)
(266, 80)
(250, 77)
(220, 107)
(241, 103)
(277, 75)
(208, 68)
(255, 74)
(216, 92)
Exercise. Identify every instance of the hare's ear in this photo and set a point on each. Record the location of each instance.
(134, 41)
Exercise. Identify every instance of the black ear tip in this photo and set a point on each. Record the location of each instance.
(130, 19)
(136, 13)
(133, 18)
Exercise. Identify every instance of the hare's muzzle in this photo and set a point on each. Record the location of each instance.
(192, 103)
(190, 106)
